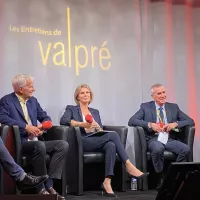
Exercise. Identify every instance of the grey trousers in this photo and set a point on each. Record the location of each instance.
(36, 151)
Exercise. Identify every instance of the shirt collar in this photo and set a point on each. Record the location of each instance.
(21, 100)
(157, 106)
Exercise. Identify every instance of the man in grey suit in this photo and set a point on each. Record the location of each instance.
(159, 116)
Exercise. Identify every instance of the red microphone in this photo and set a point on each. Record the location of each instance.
(46, 125)
(89, 118)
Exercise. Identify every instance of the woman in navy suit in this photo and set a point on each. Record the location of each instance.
(110, 143)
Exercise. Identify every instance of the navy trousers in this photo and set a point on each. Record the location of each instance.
(156, 149)
(109, 143)
(8, 163)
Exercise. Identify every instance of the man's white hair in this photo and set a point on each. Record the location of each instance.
(157, 85)
(20, 80)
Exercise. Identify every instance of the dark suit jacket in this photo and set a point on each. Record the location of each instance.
(147, 113)
(74, 113)
(11, 113)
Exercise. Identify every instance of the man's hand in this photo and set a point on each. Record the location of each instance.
(40, 133)
(168, 127)
(39, 126)
(35, 131)
(41, 130)
(156, 127)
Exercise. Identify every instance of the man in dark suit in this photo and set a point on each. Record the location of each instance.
(22, 179)
(159, 116)
(22, 109)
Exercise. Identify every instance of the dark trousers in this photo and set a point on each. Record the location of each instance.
(156, 149)
(8, 163)
(36, 151)
(109, 143)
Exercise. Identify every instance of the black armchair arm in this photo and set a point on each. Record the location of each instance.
(18, 147)
(140, 153)
(140, 148)
(80, 144)
(3, 132)
(186, 135)
(3, 135)
(56, 133)
(121, 130)
(80, 158)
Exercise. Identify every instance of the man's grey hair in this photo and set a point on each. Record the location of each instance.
(157, 85)
(20, 80)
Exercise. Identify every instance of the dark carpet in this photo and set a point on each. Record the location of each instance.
(133, 195)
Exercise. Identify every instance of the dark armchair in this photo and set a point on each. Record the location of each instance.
(142, 156)
(3, 135)
(7, 184)
(86, 170)
(55, 133)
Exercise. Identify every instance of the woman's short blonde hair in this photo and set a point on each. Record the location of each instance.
(77, 91)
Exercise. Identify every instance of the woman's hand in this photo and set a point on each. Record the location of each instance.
(96, 126)
(86, 125)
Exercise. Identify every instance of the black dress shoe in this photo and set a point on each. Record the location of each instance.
(31, 181)
(141, 176)
(52, 191)
(105, 193)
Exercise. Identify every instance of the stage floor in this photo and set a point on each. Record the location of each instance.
(128, 195)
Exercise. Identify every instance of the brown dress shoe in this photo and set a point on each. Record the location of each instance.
(52, 191)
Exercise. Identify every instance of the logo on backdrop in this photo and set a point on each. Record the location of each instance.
(55, 52)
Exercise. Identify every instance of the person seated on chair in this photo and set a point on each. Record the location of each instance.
(159, 116)
(22, 109)
(22, 179)
(109, 143)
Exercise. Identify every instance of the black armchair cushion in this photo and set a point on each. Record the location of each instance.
(96, 157)
(167, 155)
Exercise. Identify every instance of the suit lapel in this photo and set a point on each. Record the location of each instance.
(168, 113)
(80, 113)
(153, 112)
(18, 106)
(93, 114)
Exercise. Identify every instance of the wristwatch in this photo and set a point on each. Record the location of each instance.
(149, 125)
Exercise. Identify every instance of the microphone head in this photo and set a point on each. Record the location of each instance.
(47, 125)
(89, 118)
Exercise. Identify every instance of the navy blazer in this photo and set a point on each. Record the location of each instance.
(11, 113)
(74, 113)
(147, 113)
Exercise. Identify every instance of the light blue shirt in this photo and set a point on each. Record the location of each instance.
(158, 111)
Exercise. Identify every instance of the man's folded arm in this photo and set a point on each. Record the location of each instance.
(138, 119)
